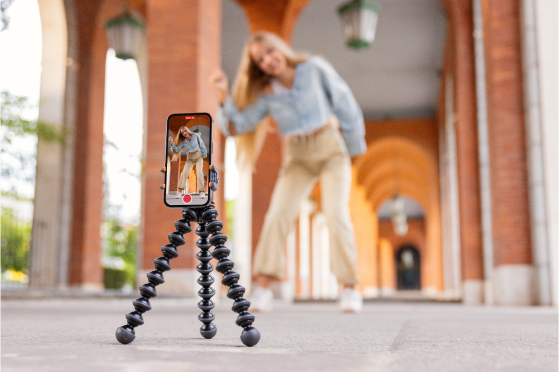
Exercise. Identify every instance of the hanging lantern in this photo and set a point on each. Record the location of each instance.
(359, 18)
(399, 217)
(125, 34)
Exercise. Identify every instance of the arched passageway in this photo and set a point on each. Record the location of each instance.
(408, 268)
(399, 163)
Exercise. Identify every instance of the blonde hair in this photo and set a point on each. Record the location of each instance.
(179, 137)
(249, 83)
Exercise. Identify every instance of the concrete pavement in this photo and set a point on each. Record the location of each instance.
(78, 335)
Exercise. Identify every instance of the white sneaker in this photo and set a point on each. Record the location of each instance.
(351, 301)
(261, 300)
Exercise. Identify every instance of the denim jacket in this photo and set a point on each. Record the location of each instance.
(194, 144)
(317, 92)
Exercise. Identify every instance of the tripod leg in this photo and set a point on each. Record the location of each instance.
(125, 334)
(250, 335)
(208, 330)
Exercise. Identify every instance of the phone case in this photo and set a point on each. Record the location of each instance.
(171, 200)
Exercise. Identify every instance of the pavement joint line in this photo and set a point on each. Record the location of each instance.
(400, 337)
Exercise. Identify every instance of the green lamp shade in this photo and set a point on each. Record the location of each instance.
(359, 19)
(125, 35)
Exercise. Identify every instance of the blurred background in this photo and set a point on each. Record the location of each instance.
(455, 199)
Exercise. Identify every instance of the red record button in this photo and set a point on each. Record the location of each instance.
(187, 198)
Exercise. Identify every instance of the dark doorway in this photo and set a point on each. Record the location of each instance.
(408, 268)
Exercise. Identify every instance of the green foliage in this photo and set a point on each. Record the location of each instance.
(16, 126)
(121, 241)
(114, 278)
(15, 242)
(18, 165)
(4, 18)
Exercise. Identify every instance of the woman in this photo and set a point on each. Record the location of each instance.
(196, 150)
(302, 94)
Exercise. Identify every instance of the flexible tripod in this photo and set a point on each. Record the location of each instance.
(206, 218)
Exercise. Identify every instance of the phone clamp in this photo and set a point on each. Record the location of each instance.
(209, 231)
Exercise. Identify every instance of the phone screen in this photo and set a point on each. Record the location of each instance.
(187, 160)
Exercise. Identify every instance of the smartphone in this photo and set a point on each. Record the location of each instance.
(188, 156)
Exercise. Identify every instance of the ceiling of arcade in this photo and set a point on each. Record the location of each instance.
(396, 77)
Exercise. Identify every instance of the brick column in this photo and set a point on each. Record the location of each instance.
(467, 151)
(183, 50)
(85, 256)
(509, 186)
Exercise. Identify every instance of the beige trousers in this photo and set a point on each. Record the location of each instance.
(191, 159)
(323, 156)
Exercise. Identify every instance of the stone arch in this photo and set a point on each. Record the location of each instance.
(86, 268)
(49, 248)
(393, 163)
(397, 163)
(404, 149)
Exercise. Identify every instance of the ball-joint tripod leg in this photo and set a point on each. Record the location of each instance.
(126, 334)
(208, 330)
(250, 335)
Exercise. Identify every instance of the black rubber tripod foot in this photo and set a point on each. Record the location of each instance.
(208, 331)
(250, 336)
(125, 334)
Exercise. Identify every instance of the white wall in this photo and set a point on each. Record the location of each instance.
(547, 42)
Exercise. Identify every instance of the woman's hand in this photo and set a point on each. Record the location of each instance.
(170, 138)
(219, 81)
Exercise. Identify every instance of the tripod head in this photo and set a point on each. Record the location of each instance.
(214, 178)
(213, 182)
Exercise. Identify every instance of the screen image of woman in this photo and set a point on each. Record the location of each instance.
(196, 151)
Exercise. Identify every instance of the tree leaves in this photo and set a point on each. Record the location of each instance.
(18, 165)
(15, 242)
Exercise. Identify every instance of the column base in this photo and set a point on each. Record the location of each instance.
(286, 291)
(451, 295)
(430, 292)
(473, 293)
(89, 287)
(178, 281)
(387, 292)
(370, 292)
(513, 285)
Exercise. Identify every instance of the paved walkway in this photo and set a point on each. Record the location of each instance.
(78, 335)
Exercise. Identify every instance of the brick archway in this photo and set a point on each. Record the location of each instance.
(397, 163)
